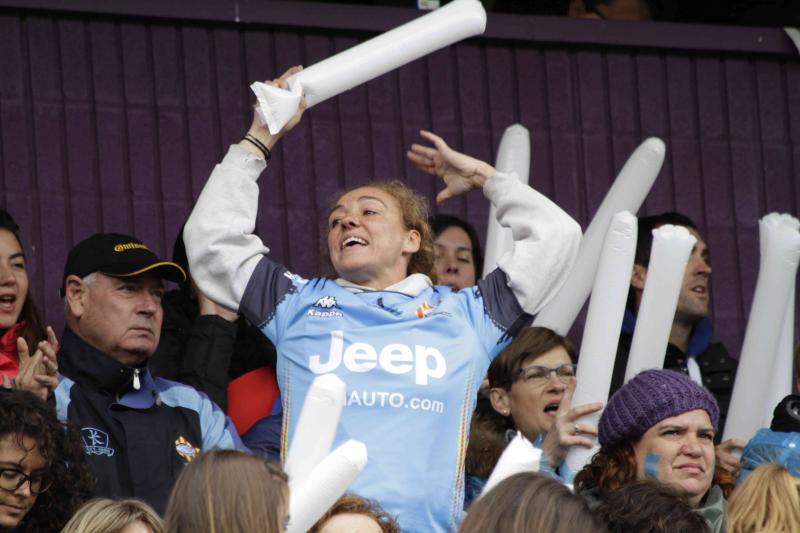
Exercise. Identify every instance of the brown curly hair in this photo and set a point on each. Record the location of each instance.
(610, 468)
(350, 503)
(25, 415)
(414, 209)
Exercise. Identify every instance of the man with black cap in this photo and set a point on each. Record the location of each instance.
(138, 430)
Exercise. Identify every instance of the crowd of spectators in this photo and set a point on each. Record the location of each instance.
(182, 404)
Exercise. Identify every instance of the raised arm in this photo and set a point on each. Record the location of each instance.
(546, 239)
(220, 245)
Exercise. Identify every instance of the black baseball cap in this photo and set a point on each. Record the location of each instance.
(117, 255)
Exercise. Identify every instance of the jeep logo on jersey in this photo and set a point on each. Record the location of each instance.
(426, 362)
(95, 442)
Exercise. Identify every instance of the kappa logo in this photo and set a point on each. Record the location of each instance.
(95, 442)
(326, 307)
(186, 449)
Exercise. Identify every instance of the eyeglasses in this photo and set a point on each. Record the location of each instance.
(539, 375)
(11, 480)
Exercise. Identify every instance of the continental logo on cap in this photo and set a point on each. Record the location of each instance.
(130, 246)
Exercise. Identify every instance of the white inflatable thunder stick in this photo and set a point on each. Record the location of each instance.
(519, 456)
(316, 427)
(776, 273)
(782, 381)
(627, 193)
(672, 246)
(513, 155)
(309, 500)
(603, 325)
(455, 21)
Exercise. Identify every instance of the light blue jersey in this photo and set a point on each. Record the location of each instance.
(412, 366)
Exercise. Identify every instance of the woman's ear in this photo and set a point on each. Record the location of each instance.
(413, 242)
(500, 401)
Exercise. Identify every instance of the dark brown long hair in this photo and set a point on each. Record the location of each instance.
(34, 329)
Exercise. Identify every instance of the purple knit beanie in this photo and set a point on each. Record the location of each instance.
(647, 399)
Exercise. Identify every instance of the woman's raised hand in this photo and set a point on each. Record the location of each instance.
(260, 130)
(460, 172)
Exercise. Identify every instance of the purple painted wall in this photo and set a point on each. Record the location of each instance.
(111, 118)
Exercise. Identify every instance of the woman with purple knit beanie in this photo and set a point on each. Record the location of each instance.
(659, 425)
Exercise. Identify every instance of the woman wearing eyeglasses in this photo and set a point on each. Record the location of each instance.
(531, 383)
(43, 476)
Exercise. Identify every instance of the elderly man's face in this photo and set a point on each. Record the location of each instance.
(121, 316)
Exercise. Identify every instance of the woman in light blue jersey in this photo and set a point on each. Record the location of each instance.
(411, 353)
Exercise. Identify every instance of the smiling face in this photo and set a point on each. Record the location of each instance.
(368, 241)
(455, 266)
(533, 406)
(13, 279)
(15, 504)
(684, 447)
(119, 316)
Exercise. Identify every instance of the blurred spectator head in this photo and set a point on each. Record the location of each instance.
(240, 493)
(768, 446)
(459, 259)
(768, 500)
(648, 506)
(530, 502)
(112, 287)
(354, 514)
(661, 425)
(109, 516)
(529, 377)
(43, 474)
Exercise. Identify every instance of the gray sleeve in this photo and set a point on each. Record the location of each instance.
(220, 245)
(546, 241)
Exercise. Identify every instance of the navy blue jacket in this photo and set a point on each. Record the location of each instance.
(137, 440)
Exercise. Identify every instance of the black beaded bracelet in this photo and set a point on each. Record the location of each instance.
(258, 144)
